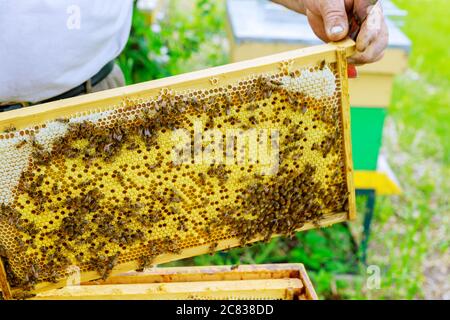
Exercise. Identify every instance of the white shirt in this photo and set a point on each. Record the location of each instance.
(48, 47)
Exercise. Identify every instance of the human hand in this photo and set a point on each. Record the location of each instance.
(329, 21)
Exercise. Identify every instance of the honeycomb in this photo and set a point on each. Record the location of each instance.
(257, 157)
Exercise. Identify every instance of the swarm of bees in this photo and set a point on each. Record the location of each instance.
(107, 192)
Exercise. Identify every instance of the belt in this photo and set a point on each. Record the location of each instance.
(85, 87)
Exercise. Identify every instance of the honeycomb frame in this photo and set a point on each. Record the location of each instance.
(332, 57)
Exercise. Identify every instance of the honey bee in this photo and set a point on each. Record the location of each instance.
(84, 184)
(195, 103)
(287, 121)
(21, 143)
(227, 99)
(250, 95)
(53, 277)
(182, 226)
(174, 210)
(3, 251)
(252, 107)
(241, 99)
(23, 295)
(62, 120)
(322, 65)
(253, 120)
(212, 248)
(212, 100)
(304, 107)
(79, 258)
(267, 92)
(145, 261)
(40, 179)
(9, 129)
(35, 145)
(120, 177)
(133, 146)
(234, 267)
(31, 229)
(176, 199)
(275, 83)
(202, 177)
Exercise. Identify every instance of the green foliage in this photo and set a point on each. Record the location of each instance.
(324, 252)
(165, 47)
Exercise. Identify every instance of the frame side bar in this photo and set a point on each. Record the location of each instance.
(4, 285)
(341, 56)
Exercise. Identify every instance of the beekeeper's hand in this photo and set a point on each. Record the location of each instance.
(329, 21)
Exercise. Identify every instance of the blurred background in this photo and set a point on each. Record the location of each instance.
(400, 136)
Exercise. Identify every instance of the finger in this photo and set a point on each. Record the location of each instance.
(371, 27)
(373, 52)
(360, 7)
(335, 19)
(363, 58)
(380, 56)
(317, 26)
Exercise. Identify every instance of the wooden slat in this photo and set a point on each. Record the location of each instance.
(209, 273)
(395, 61)
(4, 285)
(242, 289)
(345, 103)
(227, 74)
(309, 292)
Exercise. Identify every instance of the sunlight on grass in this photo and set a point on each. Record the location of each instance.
(411, 229)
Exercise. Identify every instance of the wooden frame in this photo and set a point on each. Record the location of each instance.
(226, 74)
(345, 100)
(5, 289)
(275, 281)
(223, 75)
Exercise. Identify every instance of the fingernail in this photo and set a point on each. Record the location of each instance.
(336, 30)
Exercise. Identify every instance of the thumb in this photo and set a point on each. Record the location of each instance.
(335, 19)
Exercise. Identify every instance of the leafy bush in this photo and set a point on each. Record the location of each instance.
(165, 47)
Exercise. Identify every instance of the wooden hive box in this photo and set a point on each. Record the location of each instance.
(244, 282)
(131, 177)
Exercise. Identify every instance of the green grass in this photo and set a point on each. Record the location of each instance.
(411, 230)
(424, 103)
